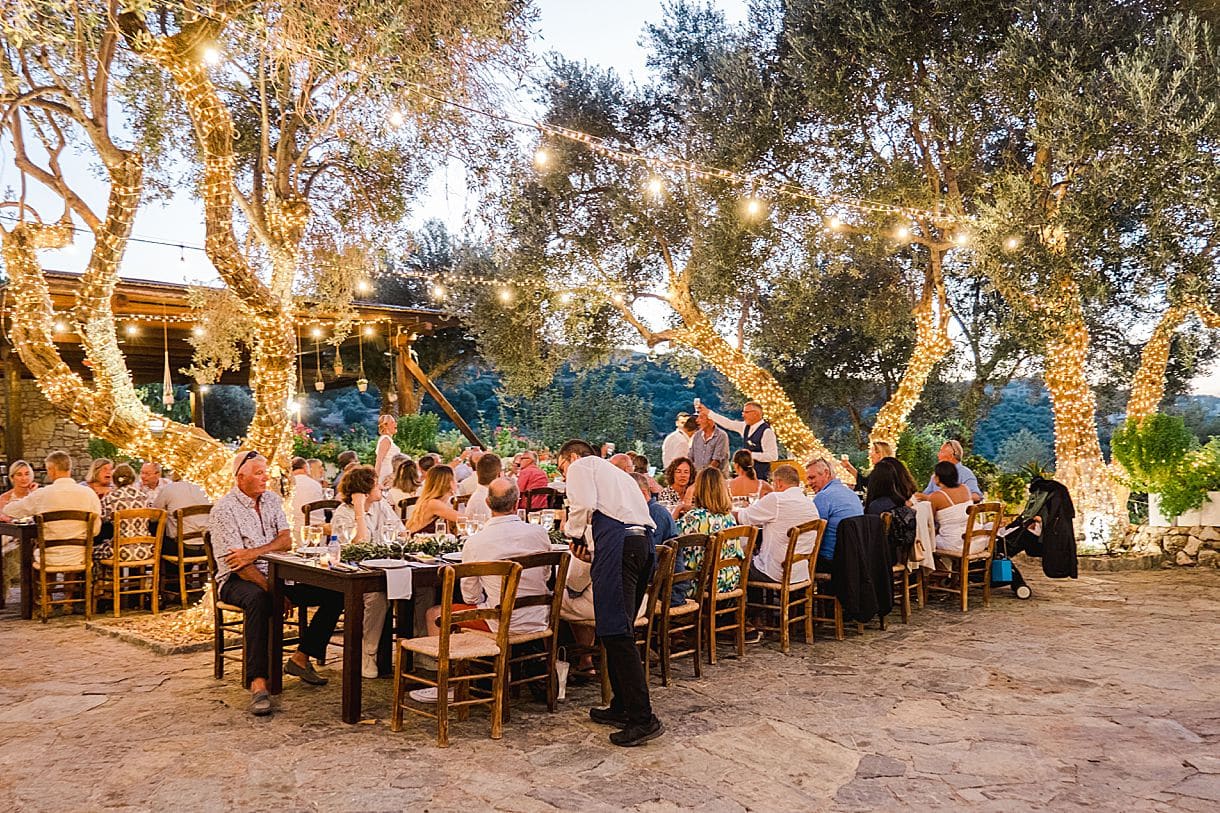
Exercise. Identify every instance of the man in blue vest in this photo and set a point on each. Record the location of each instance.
(758, 435)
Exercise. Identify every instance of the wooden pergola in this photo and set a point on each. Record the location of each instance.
(153, 317)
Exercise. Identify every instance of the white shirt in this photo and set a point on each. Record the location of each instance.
(176, 496)
(770, 449)
(305, 490)
(62, 495)
(468, 484)
(778, 512)
(477, 507)
(379, 517)
(385, 472)
(676, 444)
(595, 484)
(502, 537)
(152, 493)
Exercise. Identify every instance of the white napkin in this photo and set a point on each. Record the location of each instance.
(398, 582)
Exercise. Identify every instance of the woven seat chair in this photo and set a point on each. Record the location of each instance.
(459, 502)
(732, 603)
(456, 652)
(791, 594)
(404, 507)
(554, 498)
(953, 570)
(49, 575)
(327, 507)
(134, 577)
(686, 618)
(192, 566)
(908, 584)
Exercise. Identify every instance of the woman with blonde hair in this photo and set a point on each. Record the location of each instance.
(406, 482)
(126, 495)
(711, 512)
(21, 477)
(100, 477)
(434, 501)
(387, 425)
(877, 450)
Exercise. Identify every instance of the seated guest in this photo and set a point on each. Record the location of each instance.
(245, 524)
(462, 469)
(426, 462)
(530, 477)
(486, 470)
(305, 490)
(641, 467)
(316, 470)
(678, 475)
(951, 452)
(468, 484)
(405, 484)
(100, 477)
(504, 536)
(665, 527)
(777, 513)
(745, 482)
(834, 502)
(711, 511)
(127, 494)
(63, 494)
(21, 477)
(434, 506)
(623, 461)
(950, 501)
(889, 486)
(151, 481)
(877, 450)
(364, 516)
(344, 461)
(177, 495)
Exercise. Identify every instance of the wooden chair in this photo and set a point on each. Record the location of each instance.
(982, 522)
(52, 573)
(459, 502)
(554, 498)
(192, 569)
(404, 507)
(454, 652)
(327, 507)
(731, 603)
(685, 618)
(128, 577)
(793, 593)
(647, 623)
(908, 585)
(556, 564)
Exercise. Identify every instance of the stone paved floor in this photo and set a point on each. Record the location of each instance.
(1101, 694)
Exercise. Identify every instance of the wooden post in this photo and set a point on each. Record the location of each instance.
(14, 436)
(407, 366)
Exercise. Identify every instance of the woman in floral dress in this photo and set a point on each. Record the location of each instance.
(711, 512)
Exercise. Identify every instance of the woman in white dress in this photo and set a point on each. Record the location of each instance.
(950, 502)
(364, 516)
(386, 449)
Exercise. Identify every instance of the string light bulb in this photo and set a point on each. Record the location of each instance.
(438, 291)
(833, 223)
(211, 55)
(961, 238)
(565, 298)
(131, 329)
(397, 119)
(506, 295)
(369, 330)
(363, 286)
(1012, 243)
(204, 389)
(903, 233)
(753, 207)
(198, 330)
(541, 157)
(655, 186)
(61, 326)
(316, 332)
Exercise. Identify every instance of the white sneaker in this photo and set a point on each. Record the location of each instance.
(427, 695)
(368, 667)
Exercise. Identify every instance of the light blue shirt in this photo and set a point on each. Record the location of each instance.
(835, 502)
(965, 477)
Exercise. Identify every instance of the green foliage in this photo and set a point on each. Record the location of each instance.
(1151, 450)
(417, 434)
(986, 471)
(1022, 448)
(450, 444)
(1197, 473)
(104, 448)
(918, 451)
(1012, 489)
(427, 544)
(506, 442)
(592, 409)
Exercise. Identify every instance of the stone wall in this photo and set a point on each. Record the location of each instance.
(1186, 546)
(44, 430)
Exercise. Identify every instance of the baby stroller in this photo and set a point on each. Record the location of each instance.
(1043, 530)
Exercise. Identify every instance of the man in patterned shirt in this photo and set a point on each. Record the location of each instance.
(244, 524)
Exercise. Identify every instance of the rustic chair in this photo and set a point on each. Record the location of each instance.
(647, 623)
(128, 577)
(908, 584)
(404, 507)
(793, 593)
(49, 575)
(192, 566)
(953, 570)
(327, 507)
(687, 617)
(460, 501)
(556, 564)
(554, 498)
(455, 652)
(731, 603)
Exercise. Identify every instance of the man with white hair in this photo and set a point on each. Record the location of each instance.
(151, 481)
(757, 434)
(245, 524)
(530, 477)
(951, 450)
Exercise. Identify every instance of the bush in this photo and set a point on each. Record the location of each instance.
(918, 451)
(1197, 474)
(1151, 450)
(104, 448)
(416, 434)
(1012, 490)
(450, 444)
(1022, 448)
(986, 471)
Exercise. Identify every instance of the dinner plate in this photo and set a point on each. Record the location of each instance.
(557, 546)
(454, 558)
(384, 564)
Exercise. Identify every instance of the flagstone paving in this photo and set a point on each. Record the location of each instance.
(1100, 694)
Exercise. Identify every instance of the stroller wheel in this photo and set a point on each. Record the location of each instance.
(1023, 592)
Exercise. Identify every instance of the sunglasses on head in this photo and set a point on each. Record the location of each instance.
(249, 456)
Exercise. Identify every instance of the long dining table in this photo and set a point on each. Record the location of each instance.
(26, 534)
(286, 567)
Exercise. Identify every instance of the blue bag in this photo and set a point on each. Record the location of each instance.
(1001, 571)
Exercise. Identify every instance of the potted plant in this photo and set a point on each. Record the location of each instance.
(1150, 452)
(1193, 493)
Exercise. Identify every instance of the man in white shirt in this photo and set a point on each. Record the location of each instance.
(467, 484)
(486, 471)
(677, 442)
(151, 481)
(63, 494)
(173, 497)
(757, 435)
(777, 513)
(305, 490)
(604, 502)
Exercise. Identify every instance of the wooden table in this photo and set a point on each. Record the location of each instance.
(26, 536)
(352, 586)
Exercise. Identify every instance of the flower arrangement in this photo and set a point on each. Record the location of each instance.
(429, 544)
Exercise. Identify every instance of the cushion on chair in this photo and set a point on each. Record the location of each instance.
(462, 645)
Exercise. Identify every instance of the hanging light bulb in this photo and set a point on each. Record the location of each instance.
(363, 286)
(903, 232)
(131, 329)
(617, 298)
(961, 238)
(753, 207)
(316, 332)
(182, 255)
(197, 330)
(1011, 243)
(204, 389)
(834, 224)
(369, 330)
(541, 157)
(319, 385)
(565, 298)
(61, 326)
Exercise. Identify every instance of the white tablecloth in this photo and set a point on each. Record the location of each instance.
(922, 552)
